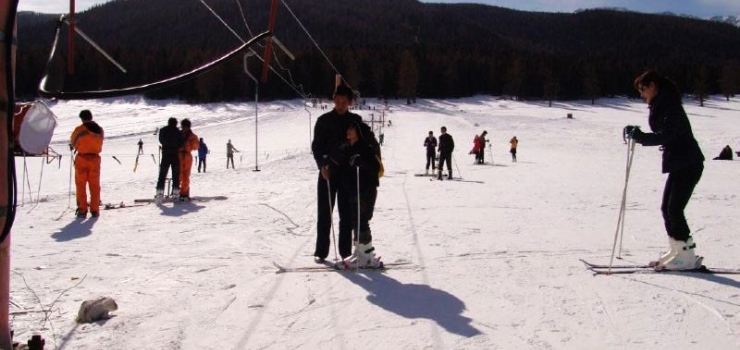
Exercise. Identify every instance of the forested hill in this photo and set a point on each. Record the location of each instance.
(392, 48)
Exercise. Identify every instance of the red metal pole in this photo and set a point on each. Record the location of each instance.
(71, 39)
(268, 45)
(5, 13)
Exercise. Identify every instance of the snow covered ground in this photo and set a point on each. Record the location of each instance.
(494, 259)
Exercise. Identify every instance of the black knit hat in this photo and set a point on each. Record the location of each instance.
(172, 122)
(86, 115)
(185, 123)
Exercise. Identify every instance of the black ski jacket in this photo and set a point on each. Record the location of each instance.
(671, 129)
(171, 139)
(446, 144)
(330, 131)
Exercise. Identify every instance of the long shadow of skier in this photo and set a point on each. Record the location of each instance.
(179, 209)
(415, 301)
(75, 229)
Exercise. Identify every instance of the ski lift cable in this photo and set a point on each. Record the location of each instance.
(292, 86)
(76, 95)
(314, 42)
(244, 17)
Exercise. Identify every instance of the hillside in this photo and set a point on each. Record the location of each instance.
(457, 50)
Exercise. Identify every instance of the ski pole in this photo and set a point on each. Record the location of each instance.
(456, 167)
(331, 221)
(623, 206)
(358, 208)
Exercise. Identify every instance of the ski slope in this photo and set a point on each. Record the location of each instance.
(494, 258)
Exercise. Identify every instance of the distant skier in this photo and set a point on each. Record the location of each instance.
(430, 142)
(202, 154)
(358, 154)
(171, 140)
(682, 160)
(230, 149)
(190, 144)
(476, 149)
(482, 150)
(141, 147)
(87, 140)
(446, 146)
(514, 143)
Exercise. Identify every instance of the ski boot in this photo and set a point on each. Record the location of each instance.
(684, 259)
(175, 194)
(159, 197)
(362, 258)
(667, 255)
(80, 214)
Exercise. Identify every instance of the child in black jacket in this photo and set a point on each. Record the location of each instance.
(358, 164)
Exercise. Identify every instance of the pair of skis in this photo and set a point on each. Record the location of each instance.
(331, 267)
(601, 269)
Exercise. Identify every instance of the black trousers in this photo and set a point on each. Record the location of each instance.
(169, 161)
(202, 161)
(445, 157)
(230, 158)
(481, 154)
(430, 159)
(327, 197)
(678, 189)
(367, 207)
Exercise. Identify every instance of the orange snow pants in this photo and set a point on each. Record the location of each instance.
(87, 172)
(186, 164)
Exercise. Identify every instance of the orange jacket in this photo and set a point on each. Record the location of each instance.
(88, 138)
(191, 142)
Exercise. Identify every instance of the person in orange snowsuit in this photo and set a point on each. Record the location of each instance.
(87, 140)
(190, 144)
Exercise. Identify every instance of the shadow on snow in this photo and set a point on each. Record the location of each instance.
(415, 301)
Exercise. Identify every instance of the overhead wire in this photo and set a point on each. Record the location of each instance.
(336, 71)
(292, 86)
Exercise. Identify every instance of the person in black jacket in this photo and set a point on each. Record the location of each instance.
(683, 161)
(358, 163)
(171, 140)
(431, 144)
(446, 146)
(330, 131)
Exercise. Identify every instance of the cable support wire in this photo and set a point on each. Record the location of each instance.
(336, 71)
(292, 84)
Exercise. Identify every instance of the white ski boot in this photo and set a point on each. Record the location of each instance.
(175, 195)
(667, 255)
(362, 258)
(684, 259)
(159, 197)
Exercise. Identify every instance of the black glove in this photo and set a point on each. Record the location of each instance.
(630, 131)
(71, 148)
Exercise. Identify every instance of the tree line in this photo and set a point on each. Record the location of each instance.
(386, 48)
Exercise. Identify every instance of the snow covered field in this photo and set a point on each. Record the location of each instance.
(494, 259)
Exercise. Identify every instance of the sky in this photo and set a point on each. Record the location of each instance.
(699, 8)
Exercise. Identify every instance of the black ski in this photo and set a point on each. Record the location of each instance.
(330, 267)
(649, 270)
(172, 199)
(111, 206)
(603, 266)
